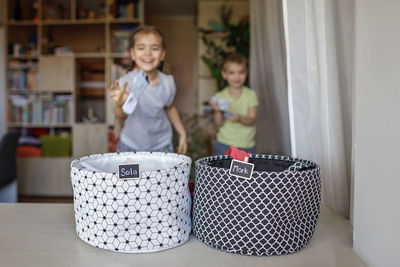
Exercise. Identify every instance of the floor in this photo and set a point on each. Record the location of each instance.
(43, 234)
(33, 199)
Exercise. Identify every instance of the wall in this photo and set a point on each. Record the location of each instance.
(377, 133)
(3, 53)
(181, 35)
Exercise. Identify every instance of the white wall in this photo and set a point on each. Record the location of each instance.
(377, 133)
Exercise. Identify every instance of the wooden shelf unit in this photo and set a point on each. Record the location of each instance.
(91, 39)
(33, 125)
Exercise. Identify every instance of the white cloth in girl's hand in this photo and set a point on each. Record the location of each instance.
(223, 105)
(136, 87)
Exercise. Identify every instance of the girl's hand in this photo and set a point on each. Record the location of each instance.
(182, 147)
(234, 118)
(118, 94)
(214, 105)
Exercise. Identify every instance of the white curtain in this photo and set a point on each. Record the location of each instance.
(319, 43)
(268, 76)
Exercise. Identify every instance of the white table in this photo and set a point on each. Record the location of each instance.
(44, 235)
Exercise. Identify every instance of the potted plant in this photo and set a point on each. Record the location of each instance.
(235, 38)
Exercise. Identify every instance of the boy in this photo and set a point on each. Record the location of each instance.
(235, 108)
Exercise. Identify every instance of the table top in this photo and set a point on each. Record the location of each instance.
(44, 235)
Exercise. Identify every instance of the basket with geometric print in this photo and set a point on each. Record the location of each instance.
(148, 214)
(273, 213)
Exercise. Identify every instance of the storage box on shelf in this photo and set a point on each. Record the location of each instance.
(60, 62)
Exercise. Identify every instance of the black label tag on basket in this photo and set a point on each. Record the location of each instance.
(129, 171)
(241, 169)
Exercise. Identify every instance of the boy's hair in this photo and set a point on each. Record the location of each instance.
(146, 29)
(235, 58)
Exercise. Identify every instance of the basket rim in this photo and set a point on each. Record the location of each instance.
(74, 164)
(202, 162)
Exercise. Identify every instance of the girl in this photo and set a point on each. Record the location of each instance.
(148, 128)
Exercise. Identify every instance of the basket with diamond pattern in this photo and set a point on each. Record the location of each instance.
(137, 215)
(273, 213)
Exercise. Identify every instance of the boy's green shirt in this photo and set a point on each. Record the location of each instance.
(235, 133)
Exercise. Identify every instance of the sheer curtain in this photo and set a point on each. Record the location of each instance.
(306, 108)
(319, 44)
(268, 76)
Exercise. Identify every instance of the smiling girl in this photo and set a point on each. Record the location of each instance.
(148, 128)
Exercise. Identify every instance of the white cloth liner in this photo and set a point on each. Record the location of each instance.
(110, 164)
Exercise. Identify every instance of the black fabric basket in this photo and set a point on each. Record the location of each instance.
(273, 213)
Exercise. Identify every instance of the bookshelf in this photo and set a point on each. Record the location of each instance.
(62, 55)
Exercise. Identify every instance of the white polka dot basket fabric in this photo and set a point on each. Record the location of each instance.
(148, 214)
(273, 213)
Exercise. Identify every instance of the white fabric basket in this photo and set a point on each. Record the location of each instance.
(132, 216)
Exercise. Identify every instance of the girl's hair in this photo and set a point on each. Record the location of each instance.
(235, 58)
(146, 29)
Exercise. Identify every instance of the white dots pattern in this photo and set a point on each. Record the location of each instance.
(274, 213)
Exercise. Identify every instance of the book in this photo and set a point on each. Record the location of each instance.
(120, 41)
(130, 10)
(31, 80)
(40, 110)
(22, 76)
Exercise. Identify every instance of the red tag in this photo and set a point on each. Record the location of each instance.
(238, 154)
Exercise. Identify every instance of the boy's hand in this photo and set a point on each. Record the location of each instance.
(118, 94)
(182, 147)
(214, 105)
(234, 118)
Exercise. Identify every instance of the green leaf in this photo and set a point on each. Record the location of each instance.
(237, 40)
